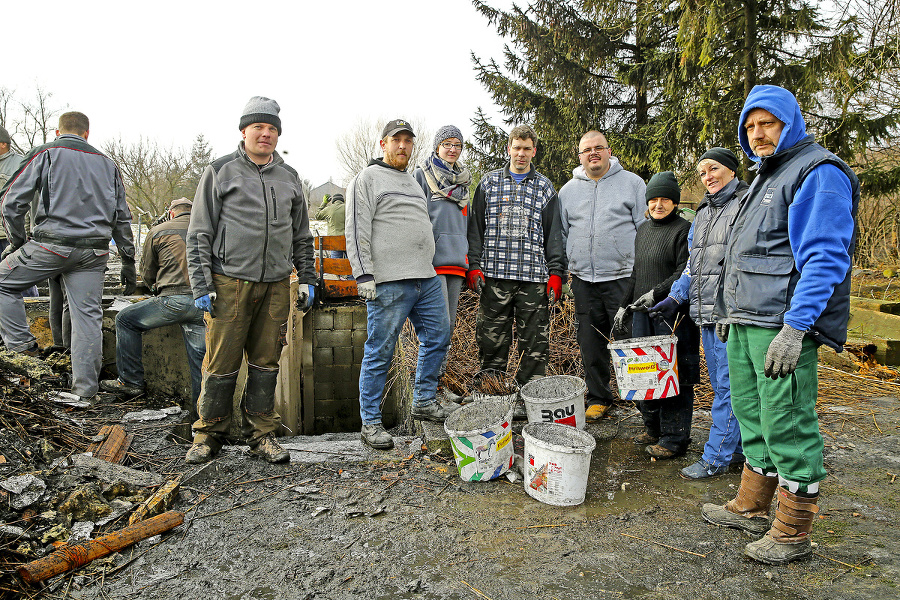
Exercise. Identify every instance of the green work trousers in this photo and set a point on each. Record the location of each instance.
(778, 420)
(250, 318)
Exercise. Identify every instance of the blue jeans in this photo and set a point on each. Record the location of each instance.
(422, 301)
(132, 321)
(724, 435)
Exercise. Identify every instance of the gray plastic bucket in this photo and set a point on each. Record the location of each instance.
(555, 399)
(557, 462)
(481, 438)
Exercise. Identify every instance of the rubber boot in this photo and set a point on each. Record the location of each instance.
(749, 511)
(214, 409)
(788, 539)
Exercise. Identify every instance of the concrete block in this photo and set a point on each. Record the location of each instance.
(323, 355)
(324, 372)
(346, 388)
(884, 306)
(334, 339)
(360, 318)
(345, 356)
(323, 318)
(323, 390)
(435, 437)
(359, 337)
(343, 318)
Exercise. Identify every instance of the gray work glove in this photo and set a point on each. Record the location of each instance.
(619, 321)
(644, 303)
(784, 352)
(366, 290)
(722, 331)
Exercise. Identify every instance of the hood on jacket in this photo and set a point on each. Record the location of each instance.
(614, 167)
(781, 103)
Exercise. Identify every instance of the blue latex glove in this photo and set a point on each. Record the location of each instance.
(306, 295)
(666, 309)
(205, 303)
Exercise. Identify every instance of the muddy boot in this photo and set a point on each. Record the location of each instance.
(749, 511)
(270, 450)
(788, 539)
(198, 454)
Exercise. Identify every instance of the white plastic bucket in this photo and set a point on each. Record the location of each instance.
(557, 461)
(555, 399)
(481, 438)
(646, 368)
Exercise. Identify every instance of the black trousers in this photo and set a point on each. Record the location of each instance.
(595, 308)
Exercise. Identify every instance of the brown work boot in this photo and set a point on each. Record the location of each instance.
(269, 449)
(198, 453)
(788, 539)
(749, 511)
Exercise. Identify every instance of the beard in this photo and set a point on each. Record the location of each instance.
(398, 161)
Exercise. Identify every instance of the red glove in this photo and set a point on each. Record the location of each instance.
(554, 288)
(475, 280)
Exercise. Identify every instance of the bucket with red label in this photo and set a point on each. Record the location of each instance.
(555, 399)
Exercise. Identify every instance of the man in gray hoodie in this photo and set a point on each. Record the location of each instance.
(391, 246)
(601, 208)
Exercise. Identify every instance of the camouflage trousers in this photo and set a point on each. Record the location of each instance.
(503, 300)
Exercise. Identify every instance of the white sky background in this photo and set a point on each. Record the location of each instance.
(169, 70)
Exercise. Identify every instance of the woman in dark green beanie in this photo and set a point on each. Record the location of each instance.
(660, 255)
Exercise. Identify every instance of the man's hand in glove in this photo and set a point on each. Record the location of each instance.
(784, 352)
(619, 321)
(643, 303)
(306, 295)
(554, 288)
(722, 331)
(128, 275)
(667, 309)
(366, 290)
(475, 280)
(205, 303)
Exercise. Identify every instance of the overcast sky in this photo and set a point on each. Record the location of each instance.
(170, 70)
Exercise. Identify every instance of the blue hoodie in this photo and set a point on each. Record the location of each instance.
(821, 216)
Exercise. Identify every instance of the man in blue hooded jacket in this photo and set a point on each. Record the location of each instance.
(785, 290)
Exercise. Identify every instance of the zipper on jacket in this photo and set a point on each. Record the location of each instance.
(262, 275)
(274, 203)
(222, 245)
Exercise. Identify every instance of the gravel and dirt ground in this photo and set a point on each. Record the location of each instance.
(342, 522)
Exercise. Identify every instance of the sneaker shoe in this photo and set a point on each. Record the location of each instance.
(117, 386)
(198, 453)
(661, 452)
(376, 437)
(33, 350)
(644, 438)
(269, 449)
(431, 412)
(595, 412)
(702, 470)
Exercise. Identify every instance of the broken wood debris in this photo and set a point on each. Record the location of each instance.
(114, 446)
(158, 503)
(72, 556)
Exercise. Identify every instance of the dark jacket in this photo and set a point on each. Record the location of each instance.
(250, 223)
(449, 223)
(164, 258)
(789, 255)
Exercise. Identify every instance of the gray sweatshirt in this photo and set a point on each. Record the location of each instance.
(599, 222)
(388, 230)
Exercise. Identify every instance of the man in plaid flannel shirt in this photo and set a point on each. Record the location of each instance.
(516, 259)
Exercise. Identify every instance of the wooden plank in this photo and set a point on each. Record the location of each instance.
(331, 242)
(340, 288)
(114, 445)
(335, 266)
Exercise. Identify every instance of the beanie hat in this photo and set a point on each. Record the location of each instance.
(337, 198)
(4, 136)
(664, 185)
(445, 133)
(261, 110)
(723, 156)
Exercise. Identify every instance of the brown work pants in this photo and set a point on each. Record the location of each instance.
(249, 319)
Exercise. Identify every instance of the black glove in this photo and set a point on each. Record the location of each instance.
(667, 309)
(128, 275)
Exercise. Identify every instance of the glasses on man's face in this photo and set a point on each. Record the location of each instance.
(594, 150)
(449, 146)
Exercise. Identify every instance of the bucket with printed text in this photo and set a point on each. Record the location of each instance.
(481, 437)
(557, 462)
(646, 368)
(555, 399)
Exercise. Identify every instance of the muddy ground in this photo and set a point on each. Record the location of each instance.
(341, 522)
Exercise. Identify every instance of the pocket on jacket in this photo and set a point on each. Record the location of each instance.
(762, 283)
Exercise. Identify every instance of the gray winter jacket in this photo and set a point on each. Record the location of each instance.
(9, 164)
(81, 201)
(599, 222)
(250, 223)
(387, 227)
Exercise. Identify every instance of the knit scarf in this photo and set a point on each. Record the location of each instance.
(451, 182)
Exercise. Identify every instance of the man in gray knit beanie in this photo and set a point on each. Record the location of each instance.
(261, 110)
